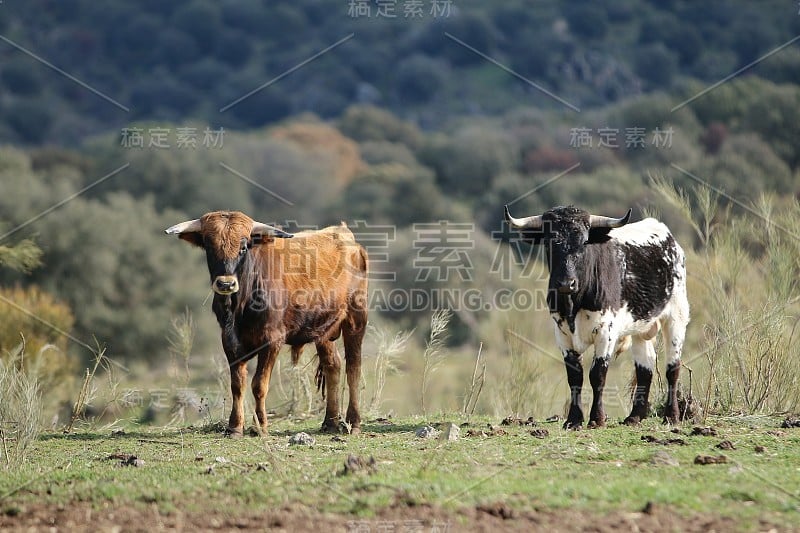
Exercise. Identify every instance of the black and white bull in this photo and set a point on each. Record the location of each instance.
(612, 285)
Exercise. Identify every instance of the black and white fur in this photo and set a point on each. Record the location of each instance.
(613, 288)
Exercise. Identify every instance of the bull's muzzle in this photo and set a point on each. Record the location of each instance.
(225, 285)
(568, 286)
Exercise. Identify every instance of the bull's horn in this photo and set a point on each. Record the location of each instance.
(533, 222)
(259, 228)
(190, 226)
(596, 221)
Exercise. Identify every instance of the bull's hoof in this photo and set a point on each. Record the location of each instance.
(330, 426)
(672, 415)
(258, 431)
(595, 424)
(355, 430)
(234, 433)
(573, 425)
(632, 421)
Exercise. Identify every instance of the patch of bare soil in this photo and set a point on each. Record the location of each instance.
(704, 431)
(512, 421)
(710, 460)
(491, 517)
(664, 442)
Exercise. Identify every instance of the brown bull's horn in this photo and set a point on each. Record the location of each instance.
(596, 221)
(259, 228)
(533, 222)
(190, 226)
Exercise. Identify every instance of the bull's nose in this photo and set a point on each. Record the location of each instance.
(223, 285)
(569, 285)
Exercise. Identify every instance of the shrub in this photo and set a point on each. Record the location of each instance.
(20, 408)
(20, 77)
(587, 20)
(745, 302)
(45, 324)
(392, 194)
(548, 158)
(23, 256)
(713, 137)
(326, 143)
(201, 20)
(368, 123)
(419, 78)
(127, 279)
(774, 115)
(30, 119)
(467, 162)
(656, 65)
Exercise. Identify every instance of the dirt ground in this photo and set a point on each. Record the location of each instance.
(397, 519)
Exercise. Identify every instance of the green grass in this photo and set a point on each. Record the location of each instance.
(600, 471)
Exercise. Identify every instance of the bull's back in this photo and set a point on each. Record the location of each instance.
(327, 256)
(653, 266)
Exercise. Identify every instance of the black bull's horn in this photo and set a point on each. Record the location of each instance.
(595, 221)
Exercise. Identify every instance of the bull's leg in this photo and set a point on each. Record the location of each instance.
(644, 358)
(674, 332)
(597, 378)
(604, 347)
(331, 366)
(353, 331)
(266, 360)
(238, 383)
(572, 361)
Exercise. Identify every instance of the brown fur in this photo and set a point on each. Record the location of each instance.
(224, 231)
(313, 289)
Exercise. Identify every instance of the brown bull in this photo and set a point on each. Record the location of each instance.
(273, 288)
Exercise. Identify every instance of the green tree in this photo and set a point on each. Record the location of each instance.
(774, 115)
(110, 260)
(21, 77)
(587, 19)
(466, 162)
(369, 123)
(656, 65)
(201, 20)
(30, 118)
(393, 194)
(419, 78)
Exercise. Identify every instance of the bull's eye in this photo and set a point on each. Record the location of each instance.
(243, 248)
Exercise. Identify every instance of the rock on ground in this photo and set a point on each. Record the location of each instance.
(427, 432)
(302, 439)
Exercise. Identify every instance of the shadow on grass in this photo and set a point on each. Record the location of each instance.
(217, 429)
(98, 436)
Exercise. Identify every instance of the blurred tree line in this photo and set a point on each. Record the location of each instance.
(400, 126)
(107, 266)
(176, 60)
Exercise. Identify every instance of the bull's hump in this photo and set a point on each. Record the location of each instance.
(325, 237)
(645, 232)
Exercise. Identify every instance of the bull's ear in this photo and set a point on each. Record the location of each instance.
(598, 235)
(265, 230)
(192, 237)
(189, 231)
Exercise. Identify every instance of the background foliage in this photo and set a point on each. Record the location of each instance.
(398, 126)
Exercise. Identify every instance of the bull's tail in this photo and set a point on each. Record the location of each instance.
(320, 380)
(297, 351)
